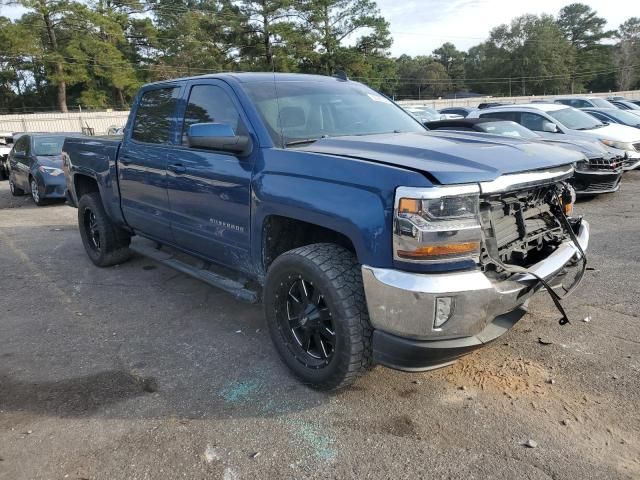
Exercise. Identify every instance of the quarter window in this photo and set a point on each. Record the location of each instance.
(211, 104)
(154, 114)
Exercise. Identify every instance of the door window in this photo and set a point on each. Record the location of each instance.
(211, 104)
(22, 145)
(154, 114)
(532, 121)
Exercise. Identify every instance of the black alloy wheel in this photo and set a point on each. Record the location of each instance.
(306, 317)
(92, 230)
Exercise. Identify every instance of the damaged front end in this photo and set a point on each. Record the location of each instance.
(514, 231)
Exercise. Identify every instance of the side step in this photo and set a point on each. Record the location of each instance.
(168, 258)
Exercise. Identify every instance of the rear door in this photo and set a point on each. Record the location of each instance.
(209, 191)
(142, 162)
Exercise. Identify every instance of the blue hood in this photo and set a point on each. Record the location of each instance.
(449, 157)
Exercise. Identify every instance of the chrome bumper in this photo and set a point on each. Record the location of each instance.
(631, 162)
(403, 303)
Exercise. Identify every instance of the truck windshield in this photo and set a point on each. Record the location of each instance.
(48, 146)
(298, 112)
(576, 119)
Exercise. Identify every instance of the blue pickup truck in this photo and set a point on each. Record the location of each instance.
(368, 239)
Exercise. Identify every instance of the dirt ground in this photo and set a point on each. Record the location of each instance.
(139, 372)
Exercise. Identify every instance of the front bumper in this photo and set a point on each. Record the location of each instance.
(402, 307)
(52, 186)
(593, 182)
(631, 162)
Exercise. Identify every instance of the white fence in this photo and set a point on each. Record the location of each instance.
(63, 122)
(101, 121)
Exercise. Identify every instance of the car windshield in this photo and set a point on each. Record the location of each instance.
(507, 129)
(624, 116)
(423, 114)
(601, 103)
(299, 112)
(47, 146)
(575, 119)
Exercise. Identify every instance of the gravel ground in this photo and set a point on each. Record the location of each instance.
(139, 372)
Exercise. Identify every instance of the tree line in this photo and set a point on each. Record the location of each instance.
(64, 54)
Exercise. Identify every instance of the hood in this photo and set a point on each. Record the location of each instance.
(49, 161)
(449, 157)
(617, 132)
(590, 148)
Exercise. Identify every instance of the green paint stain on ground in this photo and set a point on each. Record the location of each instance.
(240, 391)
(320, 444)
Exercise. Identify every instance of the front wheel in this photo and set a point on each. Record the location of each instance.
(36, 195)
(317, 315)
(106, 244)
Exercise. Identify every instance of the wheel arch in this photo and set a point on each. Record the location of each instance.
(283, 233)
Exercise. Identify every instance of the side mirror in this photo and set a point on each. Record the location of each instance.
(549, 127)
(218, 136)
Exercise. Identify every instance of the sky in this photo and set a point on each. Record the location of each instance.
(420, 26)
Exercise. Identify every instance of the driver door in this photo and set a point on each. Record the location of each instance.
(209, 191)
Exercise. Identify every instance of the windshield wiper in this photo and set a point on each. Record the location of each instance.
(301, 142)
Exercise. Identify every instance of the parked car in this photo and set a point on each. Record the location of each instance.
(600, 172)
(35, 167)
(627, 105)
(423, 114)
(557, 119)
(584, 102)
(6, 142)
(484, 105)
(615, 115)
(367, 238)
(462, 112)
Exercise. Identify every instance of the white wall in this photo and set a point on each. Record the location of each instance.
(473, 102)
(62, 122)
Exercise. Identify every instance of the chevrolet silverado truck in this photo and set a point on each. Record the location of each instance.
(367, 239)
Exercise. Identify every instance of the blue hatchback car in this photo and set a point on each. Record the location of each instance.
(35, 166)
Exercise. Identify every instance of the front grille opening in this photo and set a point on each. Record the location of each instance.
(520, 228)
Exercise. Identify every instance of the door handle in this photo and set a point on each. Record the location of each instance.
(177, 168)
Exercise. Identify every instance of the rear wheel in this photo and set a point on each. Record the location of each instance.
(15, 191)
(105, 243)
(317, 315)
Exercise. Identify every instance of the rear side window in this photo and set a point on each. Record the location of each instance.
(154, 114)
(513, 116)
(211, 104)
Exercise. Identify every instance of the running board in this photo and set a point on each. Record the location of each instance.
(235, 288)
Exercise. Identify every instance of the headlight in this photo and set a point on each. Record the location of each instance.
(619, 145)
(436, 224)
(51, 171)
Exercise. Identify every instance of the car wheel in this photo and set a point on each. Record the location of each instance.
(317, 315)
(105, 243)
(15, 191)
(36, 194)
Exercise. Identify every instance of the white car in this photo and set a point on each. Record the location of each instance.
(551, 119)
(584, 102)
(6, 143)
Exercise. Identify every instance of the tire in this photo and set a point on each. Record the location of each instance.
(15, 191)
(311, 292)
(36, 195)
(105, 243)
